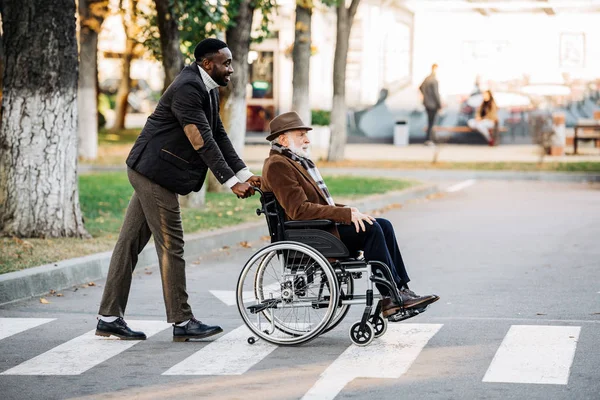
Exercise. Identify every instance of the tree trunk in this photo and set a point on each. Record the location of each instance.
(125, 84)
(301, 58)
(38, 141)
(233, 111)
(339, 109)
(91, 16)
(172, 59)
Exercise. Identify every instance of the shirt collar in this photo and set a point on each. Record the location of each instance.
(208, 81)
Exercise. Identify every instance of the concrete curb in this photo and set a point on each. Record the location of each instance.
(15, 286)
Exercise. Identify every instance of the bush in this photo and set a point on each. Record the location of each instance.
(321, 117)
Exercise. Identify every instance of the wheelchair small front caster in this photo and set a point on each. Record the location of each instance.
(362, 337)
(379, 324)
(251, 340)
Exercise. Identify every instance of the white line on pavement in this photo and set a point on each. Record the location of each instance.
(83, 352)
(12, 326)
(534, 354)
(460, 185)
(229, 355)
(389, 356)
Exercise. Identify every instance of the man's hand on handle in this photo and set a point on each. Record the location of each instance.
(242, 189)
(254, 180)
(359, 219)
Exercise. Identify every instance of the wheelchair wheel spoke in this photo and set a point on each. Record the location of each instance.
(295, 291)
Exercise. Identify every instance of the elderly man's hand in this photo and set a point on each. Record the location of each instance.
(242, 190)
(359, 219)
(254, 180)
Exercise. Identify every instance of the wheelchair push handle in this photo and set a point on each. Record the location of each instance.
(259, 211)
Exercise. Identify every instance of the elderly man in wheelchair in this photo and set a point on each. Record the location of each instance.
(303, 284)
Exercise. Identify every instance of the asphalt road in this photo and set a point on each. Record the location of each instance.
(516, 265)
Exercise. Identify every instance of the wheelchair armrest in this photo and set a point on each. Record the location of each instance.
(314, 224)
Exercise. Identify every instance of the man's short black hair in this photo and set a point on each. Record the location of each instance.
(207, 47)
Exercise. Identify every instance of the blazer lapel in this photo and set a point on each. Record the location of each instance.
(206, 97)
(306, 175)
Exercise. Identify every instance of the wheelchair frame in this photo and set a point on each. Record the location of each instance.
(293, 291)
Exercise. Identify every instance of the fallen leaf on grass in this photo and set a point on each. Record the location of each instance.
(229, 212)
(44, 301)
(245, 244)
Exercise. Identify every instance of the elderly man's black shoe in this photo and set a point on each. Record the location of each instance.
(194, 330)
(119, 329)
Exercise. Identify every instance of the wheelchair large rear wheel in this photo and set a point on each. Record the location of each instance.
(287, 293)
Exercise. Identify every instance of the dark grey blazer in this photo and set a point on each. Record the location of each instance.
(431, 95)
(184, 137)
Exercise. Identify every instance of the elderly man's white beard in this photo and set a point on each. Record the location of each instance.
(303, 151)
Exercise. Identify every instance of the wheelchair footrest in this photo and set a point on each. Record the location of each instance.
(408, 313)
(270, 303)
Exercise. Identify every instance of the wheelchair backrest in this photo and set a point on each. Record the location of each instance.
(275, 216)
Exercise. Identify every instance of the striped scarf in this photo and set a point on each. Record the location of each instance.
(308, 165)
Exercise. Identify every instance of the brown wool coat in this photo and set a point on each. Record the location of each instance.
(298, 193)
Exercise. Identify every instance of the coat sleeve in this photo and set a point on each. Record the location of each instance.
(283, 181)
(231, 156)
(187, 106)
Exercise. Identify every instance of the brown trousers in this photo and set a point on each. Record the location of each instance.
(153, 210)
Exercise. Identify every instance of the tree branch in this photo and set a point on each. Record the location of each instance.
(352, 10)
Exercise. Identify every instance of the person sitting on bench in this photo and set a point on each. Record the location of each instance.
(295, 181)
(486, 117)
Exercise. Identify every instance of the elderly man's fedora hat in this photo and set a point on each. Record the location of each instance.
(286, 122)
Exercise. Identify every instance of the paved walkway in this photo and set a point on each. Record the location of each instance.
(446, 153)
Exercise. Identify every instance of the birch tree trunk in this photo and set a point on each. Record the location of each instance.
(125, 84)
(172, 59)
(339, 109)
(301, 58)
(38, 140)
(91, 16)
(233, 110)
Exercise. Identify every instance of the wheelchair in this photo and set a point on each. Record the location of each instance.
(302, 284)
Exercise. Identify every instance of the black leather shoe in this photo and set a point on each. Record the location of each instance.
(119, 329)
(194, 330)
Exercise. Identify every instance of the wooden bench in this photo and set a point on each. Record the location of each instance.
(494, 132)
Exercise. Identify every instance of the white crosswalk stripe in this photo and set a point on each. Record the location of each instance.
(212, 360)
(534, 354)
(12, 326)
(82, 353)
(390, 356)
(528, 354)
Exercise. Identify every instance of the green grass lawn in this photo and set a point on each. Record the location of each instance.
(104, 198)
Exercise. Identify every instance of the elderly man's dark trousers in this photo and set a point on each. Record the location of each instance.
(379, 244)
(153, 210)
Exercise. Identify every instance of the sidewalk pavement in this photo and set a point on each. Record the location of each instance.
(57, 276)
(446, 153)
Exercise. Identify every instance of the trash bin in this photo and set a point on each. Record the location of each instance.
(401, 133)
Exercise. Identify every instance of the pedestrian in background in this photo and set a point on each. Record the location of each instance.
(486, 117)
(431, 101)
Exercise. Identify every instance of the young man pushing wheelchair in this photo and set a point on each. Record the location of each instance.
(295, 181)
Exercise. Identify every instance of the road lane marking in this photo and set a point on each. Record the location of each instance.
(12, 326)
(229, 297)
(534, 354)
(389, 356)
(460, 186)
(229, 355)
(83, 352)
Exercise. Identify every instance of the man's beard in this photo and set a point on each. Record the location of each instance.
(303, 151)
